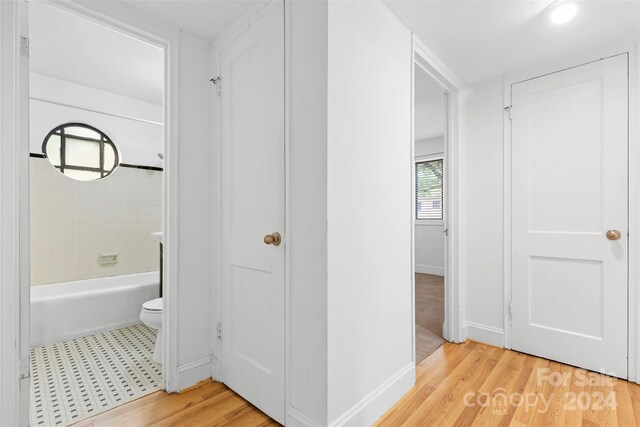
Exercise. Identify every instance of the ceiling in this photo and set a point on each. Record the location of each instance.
(204, 18)
(68, 47)
(476, 39)
(480, 39)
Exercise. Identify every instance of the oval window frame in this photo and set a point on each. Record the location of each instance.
(104, 139)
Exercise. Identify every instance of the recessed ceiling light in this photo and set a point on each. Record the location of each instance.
(564, 12)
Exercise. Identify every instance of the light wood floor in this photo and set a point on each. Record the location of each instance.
(208, 404)
(458, 385)
(484, 377)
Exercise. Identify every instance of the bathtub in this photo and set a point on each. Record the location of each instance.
(64, 311)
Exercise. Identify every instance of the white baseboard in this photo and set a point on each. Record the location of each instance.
(296, 418)
(373, 406)
(215, 375)
(484, 334)
(191, 373)
(430, 269)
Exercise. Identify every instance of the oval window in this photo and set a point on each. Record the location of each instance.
(81, 152)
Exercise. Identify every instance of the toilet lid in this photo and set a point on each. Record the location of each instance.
(153, 305)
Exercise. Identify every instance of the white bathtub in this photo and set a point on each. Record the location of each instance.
(64, 311)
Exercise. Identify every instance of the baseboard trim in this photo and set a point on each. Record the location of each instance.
(484, 334)
(373, 406)
(430, 269)
(214, 368)
(192, 373)
(296, 418)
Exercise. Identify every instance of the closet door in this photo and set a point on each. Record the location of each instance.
(570, 216)
(253, 184)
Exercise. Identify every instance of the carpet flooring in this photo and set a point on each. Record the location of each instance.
(429, 314)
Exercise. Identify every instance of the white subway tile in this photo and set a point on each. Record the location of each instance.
(73, 221)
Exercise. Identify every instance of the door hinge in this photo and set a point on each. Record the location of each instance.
(24, 368)
(216, 81)
(446, 232)
(219, 329)
(508, 110)
(510, 309)
(24, 46)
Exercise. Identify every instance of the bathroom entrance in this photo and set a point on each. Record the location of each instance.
(99, 136)
(96, 147)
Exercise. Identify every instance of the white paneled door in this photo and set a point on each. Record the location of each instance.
(570, 215)
(252, 361)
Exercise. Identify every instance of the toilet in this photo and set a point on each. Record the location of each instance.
(151, 315)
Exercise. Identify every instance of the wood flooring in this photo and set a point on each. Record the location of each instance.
(473, 384)
(469, 384)
(208, 404)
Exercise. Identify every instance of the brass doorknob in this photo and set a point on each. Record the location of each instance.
(614, 234)
(273, 239)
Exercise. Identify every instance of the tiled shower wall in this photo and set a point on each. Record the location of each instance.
(72, 222)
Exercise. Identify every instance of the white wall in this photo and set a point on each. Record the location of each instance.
(134, 126)
(483, 182)
(429, 146)
(429, 235)
(48, 88)
(196, 218)
(69, 47)
(429, 249)
(429, 117)
(369, 212)
(307, 221)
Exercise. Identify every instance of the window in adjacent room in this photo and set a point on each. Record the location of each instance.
(429, 189)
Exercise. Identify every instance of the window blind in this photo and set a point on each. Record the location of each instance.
(429, 191)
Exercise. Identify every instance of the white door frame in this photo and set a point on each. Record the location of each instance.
(14, 179)
(633, 196)
(14, 230)
(453, 329)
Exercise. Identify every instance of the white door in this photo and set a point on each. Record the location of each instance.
(252, 129)
(569, 216)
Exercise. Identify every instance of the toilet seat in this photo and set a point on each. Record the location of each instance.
(153, 305)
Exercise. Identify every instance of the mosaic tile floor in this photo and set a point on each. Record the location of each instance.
(75, 379)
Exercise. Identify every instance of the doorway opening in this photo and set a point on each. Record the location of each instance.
(429, 214)
(96, 143)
